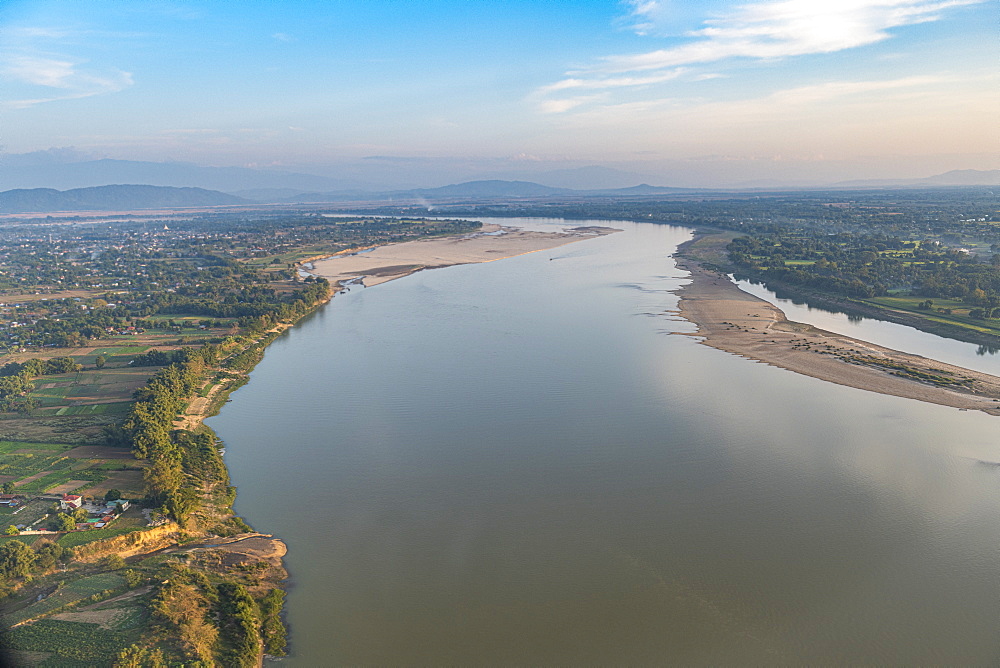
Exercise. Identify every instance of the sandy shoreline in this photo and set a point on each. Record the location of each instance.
(493, 242)
(740, 323)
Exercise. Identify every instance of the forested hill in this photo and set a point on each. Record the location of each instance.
(110, 198)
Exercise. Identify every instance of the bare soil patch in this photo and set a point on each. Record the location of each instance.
(67, 487)
(128, 482)
(31, 478)
(106, 619)
(254, 546)
(33, 297)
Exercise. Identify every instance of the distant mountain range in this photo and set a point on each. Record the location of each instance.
(130, 197)
(956, 177)
(470, 190)
(65, 169)
(20, 172)
(111, 198)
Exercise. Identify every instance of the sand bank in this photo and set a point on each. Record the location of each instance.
(384, 263)
(732, 320)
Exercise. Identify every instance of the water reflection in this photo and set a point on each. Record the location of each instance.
(516, 463)
(888, 334)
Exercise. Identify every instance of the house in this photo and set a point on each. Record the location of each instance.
(117, 504)
(9, 500)
(70, 502)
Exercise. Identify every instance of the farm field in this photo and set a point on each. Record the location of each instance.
(67, 593)
(52, 642)
(62, 468)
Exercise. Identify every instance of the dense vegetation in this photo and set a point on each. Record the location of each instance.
(864, 265)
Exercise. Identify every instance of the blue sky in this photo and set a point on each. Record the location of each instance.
(708, 91)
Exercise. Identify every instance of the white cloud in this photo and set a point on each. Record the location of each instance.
(764, 31)
(565, 104)
(62, 75)
(841, 89)
(787, 28)
(39, 71)
(600, 83)
(55, 75)
(646, 15)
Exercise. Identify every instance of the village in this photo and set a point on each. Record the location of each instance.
(49, 514)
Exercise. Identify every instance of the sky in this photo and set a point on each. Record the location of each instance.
(682, 92)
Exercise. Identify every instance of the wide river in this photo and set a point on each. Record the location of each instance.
(520, 462)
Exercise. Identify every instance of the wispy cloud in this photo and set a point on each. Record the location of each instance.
(786, 28)
(50, 75)
(601, 83)
(764, 31)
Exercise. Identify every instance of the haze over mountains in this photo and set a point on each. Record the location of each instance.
(66, 169)
(274, 189)
(130, 197)
(111, 198)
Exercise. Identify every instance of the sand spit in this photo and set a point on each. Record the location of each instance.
(493, 242)
(732, 320)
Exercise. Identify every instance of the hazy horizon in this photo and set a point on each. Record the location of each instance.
(392, 95)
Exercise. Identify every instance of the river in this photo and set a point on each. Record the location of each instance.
(519, 462)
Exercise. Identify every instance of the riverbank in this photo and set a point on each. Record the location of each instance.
(493, 242)
(734, 321)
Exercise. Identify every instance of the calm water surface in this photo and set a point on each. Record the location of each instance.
(518, 463)
(889, 334)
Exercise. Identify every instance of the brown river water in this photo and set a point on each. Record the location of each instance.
(517, 463)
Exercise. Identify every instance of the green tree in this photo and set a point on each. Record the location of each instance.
(7, 487)
(140, 657)
(112, 495)
(12, 530)
(62, 522)
(113, 562)
(100, 361)
(16, 559)
(132, 578)
(272, 629)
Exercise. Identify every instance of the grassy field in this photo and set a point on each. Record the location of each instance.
(27, 515)
(70, 644)
(69, 593)
(959, 315)
(711, 248)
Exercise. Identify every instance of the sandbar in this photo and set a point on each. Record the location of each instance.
(492, 242)
(732, 320)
